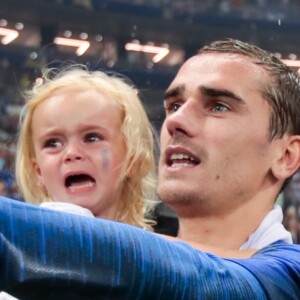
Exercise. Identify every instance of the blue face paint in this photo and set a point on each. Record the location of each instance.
(105, 159)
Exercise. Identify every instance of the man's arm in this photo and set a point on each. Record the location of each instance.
(45, 254)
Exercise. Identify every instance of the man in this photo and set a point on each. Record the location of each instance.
(227, 150)
(229, 142)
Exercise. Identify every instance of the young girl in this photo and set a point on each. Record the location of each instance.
(85, 139)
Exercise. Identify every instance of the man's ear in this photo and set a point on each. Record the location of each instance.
(288, 162)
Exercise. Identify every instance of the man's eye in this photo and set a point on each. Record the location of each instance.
(93, 137)
(52, 143)
(219, 107)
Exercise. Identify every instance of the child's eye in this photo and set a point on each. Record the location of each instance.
(93, 137)
(52, 143)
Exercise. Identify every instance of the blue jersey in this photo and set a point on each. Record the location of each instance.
(47, 254)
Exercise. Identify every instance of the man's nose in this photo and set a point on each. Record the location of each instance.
(181, 121)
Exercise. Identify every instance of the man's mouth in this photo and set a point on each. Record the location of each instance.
(177, 160)
(79, 182)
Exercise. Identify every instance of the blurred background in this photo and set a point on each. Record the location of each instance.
(145, 40)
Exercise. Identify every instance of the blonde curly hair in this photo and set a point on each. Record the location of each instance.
(138, 190)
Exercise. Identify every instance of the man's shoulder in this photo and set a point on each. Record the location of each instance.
(277, 268)
(281, 250)
(277, 258)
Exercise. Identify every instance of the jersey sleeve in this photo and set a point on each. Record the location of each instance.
(47, 254)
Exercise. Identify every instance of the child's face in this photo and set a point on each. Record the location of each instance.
(79, 149)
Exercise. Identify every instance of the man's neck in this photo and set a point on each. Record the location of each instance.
(229, 230)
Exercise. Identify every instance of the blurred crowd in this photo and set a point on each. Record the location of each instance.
(191, 9)
(12, 82)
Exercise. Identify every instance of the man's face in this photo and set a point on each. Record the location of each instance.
(215, 147)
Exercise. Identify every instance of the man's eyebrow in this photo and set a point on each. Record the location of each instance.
(174, 92)
(214, 92)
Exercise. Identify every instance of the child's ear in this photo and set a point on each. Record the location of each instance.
(132, 171)
(139, 166)
(288, 162)
(37, 171)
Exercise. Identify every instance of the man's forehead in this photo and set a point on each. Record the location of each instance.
(218, 58)
(221, 65)
(232, 72)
